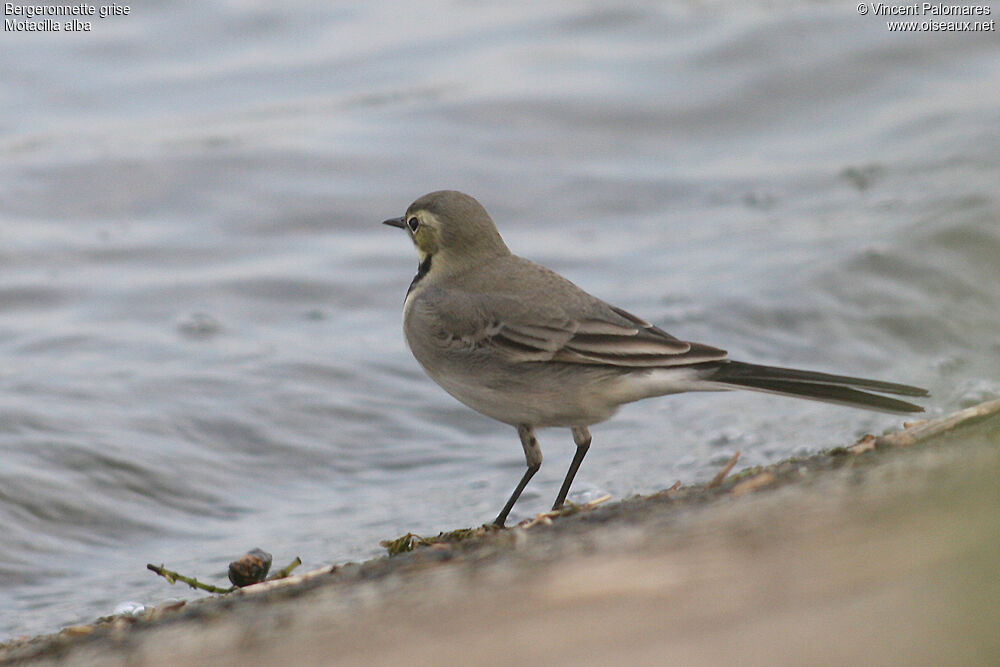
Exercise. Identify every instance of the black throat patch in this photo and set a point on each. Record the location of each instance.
(422, 270)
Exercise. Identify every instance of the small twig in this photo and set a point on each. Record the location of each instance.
(287, 570)
(865, 444)
(567, 509)
(721, 475)
(173, 577)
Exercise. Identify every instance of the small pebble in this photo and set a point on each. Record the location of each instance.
(252, 568)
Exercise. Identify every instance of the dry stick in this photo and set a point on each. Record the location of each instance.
(752, 484)
(717, 480)
(570, 508)
(937, 426)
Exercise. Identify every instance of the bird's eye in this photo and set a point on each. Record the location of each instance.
(413, 223)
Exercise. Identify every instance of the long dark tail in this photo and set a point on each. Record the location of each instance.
(816, 386)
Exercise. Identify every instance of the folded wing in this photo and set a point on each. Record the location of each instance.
(620, 339)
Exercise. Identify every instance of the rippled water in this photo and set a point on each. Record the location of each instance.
(200, 344)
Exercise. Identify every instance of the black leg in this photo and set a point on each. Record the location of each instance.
(581, 436)
(533, 456)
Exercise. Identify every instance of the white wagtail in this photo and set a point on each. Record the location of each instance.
(523, 345)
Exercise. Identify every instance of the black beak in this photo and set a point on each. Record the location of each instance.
(395, 222)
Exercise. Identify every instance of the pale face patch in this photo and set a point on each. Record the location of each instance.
(423, 229)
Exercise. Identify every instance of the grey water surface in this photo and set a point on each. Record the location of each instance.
(200, 340)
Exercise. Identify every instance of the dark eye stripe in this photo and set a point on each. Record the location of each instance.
(413, 223)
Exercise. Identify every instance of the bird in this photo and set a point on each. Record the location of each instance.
(518, 342)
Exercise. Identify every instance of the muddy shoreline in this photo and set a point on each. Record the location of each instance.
(875, 553)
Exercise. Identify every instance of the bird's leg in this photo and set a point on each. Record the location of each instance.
(581, 436)
(533, 456)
